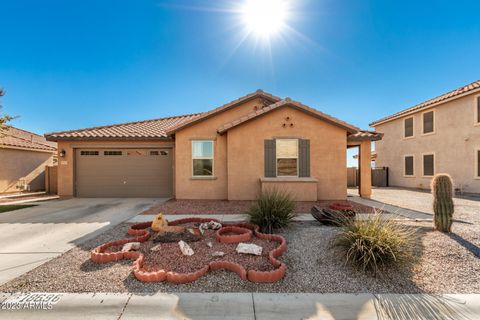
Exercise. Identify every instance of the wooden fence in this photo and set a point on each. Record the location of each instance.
(51, 181)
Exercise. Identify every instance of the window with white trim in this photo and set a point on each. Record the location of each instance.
(428, 119)
(408, 127)
(202, 158)
(287, 157)
(428, 165)
(409, 167)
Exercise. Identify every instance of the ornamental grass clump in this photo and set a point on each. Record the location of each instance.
(373, 244)
(273, 209)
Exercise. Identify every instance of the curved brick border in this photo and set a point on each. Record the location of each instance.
(242, 234)
(244, 230)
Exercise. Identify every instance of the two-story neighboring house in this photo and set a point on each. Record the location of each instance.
(438, 135)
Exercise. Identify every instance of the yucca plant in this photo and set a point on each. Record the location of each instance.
(273, 209)
(372, 243)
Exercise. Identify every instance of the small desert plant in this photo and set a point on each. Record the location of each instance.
(272, 209)
(373, 243)
(442, 190)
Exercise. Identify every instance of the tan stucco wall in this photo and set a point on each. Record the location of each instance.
(454, 143)
(328, 145)
(16, 165)
(66, 165)
(216, 188)
(301, 189)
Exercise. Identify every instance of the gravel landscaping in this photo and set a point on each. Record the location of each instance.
(444, 266)
(199, 207)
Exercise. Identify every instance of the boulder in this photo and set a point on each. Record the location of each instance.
(249, 248)
(131, 246)
(187, 235)
(185, 248)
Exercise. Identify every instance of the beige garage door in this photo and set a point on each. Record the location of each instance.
(124, 173)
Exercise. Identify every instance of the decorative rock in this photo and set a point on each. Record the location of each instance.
(185, 248)
(159, 223)
(156, 248)
(131, 246)
(249, 248)
(218, 254)
(209, 244)
(212, 225)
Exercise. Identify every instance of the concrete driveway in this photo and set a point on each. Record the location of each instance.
(32, 236)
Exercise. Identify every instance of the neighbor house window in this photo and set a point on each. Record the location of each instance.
(409, 166)
(478, 163)
(112, 153)
(287, 157)
(428, 165)
(408, 128)
(202, 158)
(428, 122)
(478, 109)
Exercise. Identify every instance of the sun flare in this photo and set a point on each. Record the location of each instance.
(265, 18)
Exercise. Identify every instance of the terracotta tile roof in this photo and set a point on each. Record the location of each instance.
(139, 130)
(290, 103)
(257, 94)
(365, 135)
(468, 89)
(16, 138)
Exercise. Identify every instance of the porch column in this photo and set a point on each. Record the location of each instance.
(364, 162)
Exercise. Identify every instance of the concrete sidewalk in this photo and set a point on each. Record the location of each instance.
(259, 306)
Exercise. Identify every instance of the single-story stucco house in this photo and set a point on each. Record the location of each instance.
(23, 158)
(232, 152)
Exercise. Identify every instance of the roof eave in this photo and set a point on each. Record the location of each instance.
(405, 113)
(56, 139)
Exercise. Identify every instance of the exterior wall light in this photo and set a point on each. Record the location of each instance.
(62, 153)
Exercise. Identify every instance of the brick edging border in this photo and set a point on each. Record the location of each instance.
(245, 232)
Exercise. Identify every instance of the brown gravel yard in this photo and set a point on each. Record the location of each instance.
(444, 266)
(199, 207)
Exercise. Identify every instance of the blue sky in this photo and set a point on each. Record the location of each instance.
(73, 64)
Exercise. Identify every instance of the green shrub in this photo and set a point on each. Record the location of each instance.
(373, 243)
(272, 209)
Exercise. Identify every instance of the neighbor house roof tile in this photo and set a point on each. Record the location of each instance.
(16, 138)
(457, 93)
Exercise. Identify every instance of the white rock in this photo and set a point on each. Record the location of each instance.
(249, 248)
(156, 248)
(218, 254)
(209, 244)
(131, 246)
(185, 248)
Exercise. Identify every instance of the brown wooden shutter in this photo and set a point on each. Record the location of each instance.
(478, 109)
(304, 158)
(270, 155)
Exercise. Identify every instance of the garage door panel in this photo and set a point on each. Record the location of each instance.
(136, 175)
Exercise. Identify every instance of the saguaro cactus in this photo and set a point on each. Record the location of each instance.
(442, 190)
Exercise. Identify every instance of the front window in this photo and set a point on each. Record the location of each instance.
(202, 157)
(287, 157)
(428, 122)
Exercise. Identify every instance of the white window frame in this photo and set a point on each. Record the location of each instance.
(434, 123)
(475, 110)
(204, 158)
(276, 159)
(413, 128)
(405, 168)
(475, 166)
(434, 164)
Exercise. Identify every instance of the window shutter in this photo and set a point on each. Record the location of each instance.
(270, 159)
(304, 158)
(478, 109)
